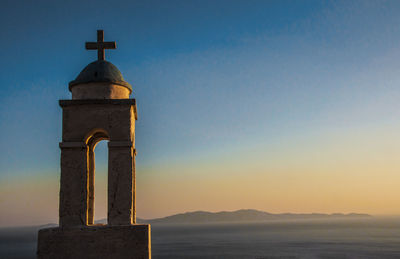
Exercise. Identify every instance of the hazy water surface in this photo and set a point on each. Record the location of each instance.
(366, 238)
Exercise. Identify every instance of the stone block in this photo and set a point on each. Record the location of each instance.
(132, 241)
(114, 116)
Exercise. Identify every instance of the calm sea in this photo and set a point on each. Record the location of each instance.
(366, 238)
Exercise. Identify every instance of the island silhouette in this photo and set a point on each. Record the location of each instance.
(243, 215)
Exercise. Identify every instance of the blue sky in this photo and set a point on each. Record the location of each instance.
(215, 81)
(43, 51)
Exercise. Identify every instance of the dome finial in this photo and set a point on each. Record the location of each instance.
(101, 45)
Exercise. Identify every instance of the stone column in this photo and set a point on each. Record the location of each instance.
(73, 186)
(91, 179)
(121, 183)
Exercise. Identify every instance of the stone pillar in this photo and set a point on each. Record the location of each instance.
(73, 186)
(121, 183)
(91, 179)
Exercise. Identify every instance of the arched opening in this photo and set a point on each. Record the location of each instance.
(97, 177)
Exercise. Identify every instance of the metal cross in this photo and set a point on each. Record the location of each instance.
(101, 45)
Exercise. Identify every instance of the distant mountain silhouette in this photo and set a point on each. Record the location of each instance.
(243, 216)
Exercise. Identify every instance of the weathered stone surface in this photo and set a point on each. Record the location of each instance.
(132, 241)
(121, 183)
(99, 91)
(85, 122)
(73, 184)
(83, 118)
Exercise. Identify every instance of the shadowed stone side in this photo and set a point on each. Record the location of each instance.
(132, 242)
(73, 184)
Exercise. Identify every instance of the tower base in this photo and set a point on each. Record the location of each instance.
(102, 241)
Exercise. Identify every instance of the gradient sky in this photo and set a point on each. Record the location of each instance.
(281, 106)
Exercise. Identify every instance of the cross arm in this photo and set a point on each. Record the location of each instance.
(109, 45)
(91, 45)
(101, 45)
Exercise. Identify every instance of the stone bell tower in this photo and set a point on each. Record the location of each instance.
(100, 109)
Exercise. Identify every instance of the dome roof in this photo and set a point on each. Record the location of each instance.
(100, 71)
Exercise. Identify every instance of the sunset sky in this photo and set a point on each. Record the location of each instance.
(280, 106)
